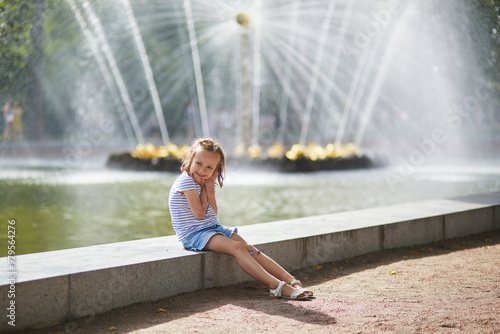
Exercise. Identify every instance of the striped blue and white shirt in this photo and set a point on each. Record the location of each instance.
(183, 220)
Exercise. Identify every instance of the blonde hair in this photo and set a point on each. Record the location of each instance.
(210, 145)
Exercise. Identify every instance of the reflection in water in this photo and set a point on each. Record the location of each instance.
(56, 209)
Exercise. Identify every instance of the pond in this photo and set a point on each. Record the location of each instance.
(65, 208)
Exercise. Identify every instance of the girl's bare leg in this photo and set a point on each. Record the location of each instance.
(269, 264)
(266, 262)
(237, 248)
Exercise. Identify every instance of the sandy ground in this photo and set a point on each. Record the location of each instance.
(446, 287)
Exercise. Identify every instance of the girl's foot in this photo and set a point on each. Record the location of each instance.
(296, 284)
(286, 291)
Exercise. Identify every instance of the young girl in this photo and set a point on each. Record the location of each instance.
(193, 209)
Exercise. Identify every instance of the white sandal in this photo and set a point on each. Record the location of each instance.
(296, 294)
(306, 291)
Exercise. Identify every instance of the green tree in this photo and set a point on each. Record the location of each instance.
(21, 57)
(15, 46)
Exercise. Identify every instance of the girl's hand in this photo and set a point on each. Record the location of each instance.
(211, 180)
(203, 182)
(197, 179)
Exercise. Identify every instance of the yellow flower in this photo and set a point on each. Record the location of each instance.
(297, 151)
(254, 151)
(276, 151)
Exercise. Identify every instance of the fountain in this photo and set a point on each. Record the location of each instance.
(247, 40)
(268, 75)
(255, 73)
(283, 85)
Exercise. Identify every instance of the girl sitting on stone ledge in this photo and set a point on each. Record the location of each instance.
(193, 209)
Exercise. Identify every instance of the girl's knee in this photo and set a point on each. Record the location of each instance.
(252, 250)
(245, 247)
(239, 247)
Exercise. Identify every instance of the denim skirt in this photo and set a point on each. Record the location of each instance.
(196, 241)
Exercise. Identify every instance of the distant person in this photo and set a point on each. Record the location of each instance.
(8, 117)
(2, 123)
(193, 209)
(18, 122)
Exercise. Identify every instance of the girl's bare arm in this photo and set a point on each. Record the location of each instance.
(198, 204)
(210, 191)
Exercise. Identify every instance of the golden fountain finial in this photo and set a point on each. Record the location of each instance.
(243, 19)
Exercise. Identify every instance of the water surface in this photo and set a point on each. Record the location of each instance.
(65, 208)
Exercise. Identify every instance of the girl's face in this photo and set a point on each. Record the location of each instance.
(204, 164)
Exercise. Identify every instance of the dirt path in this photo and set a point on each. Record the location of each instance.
(447, 287)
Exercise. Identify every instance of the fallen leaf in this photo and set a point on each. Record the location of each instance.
(415, 252)
(364, 261)
(405, 257)
(319, 267)
(391, 272)
(112, 328)
(162, 310)
(264, 287)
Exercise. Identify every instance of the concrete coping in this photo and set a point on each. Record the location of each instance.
(43, 265)
(66, 284)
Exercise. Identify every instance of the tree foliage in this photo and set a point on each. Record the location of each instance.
(66, 57)
(15, 47)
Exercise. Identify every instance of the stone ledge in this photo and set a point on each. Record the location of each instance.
(67, 284)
